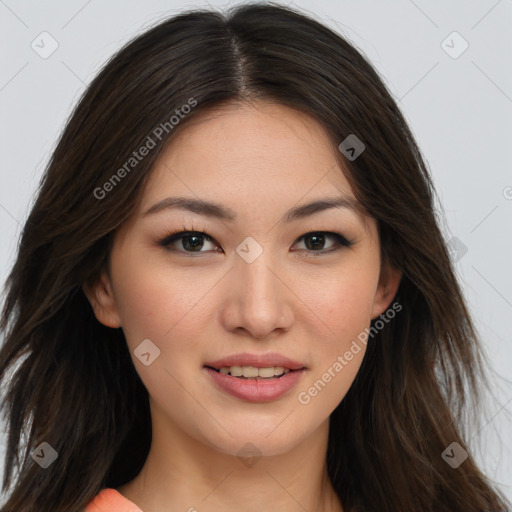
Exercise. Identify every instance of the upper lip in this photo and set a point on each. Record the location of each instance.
(256, 360)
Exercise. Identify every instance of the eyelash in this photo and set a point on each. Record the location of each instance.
(174, 235)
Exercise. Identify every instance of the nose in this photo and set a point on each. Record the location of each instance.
(259, 298)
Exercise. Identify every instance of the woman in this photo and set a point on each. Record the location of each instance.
(232, 289)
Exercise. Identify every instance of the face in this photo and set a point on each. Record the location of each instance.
(255, 287)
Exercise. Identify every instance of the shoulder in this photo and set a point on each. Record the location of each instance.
(110, 500)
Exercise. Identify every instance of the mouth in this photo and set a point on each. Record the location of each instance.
(255, 384)
(254, 377)
(254, 365)
(254, 372)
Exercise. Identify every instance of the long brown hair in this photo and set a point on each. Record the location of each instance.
(70, 381)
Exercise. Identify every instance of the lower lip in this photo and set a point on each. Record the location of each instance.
(256, 390)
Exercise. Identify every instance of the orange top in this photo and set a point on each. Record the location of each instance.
(110, 500)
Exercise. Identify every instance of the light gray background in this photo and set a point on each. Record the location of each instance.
(459, 109)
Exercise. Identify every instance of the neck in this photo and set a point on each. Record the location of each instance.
(182, 473)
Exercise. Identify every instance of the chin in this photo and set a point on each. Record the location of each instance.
(257, 442)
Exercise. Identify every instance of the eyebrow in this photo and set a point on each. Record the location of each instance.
(219, 211)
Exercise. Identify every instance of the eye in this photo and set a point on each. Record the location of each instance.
(192, 241)
(315, 242)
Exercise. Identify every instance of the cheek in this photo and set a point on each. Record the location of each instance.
(344, 308)
(342, 303)
(163, 308)
(156, 304)
(337, 357)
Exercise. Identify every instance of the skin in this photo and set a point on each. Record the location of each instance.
(260, 160)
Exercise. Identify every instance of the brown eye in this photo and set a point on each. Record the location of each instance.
(315, 241)
(191, 241)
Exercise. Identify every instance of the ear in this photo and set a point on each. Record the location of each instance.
(100, 295)
(388, 285)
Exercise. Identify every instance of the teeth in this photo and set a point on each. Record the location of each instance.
(236, 371)
(265, 372)
(252, 371)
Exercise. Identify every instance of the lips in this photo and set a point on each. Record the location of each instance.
(255, 389)
(235, 375)
(256, 361)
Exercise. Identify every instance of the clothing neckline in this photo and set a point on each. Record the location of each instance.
(110, 499)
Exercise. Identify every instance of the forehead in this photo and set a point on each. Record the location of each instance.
(249, 150)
